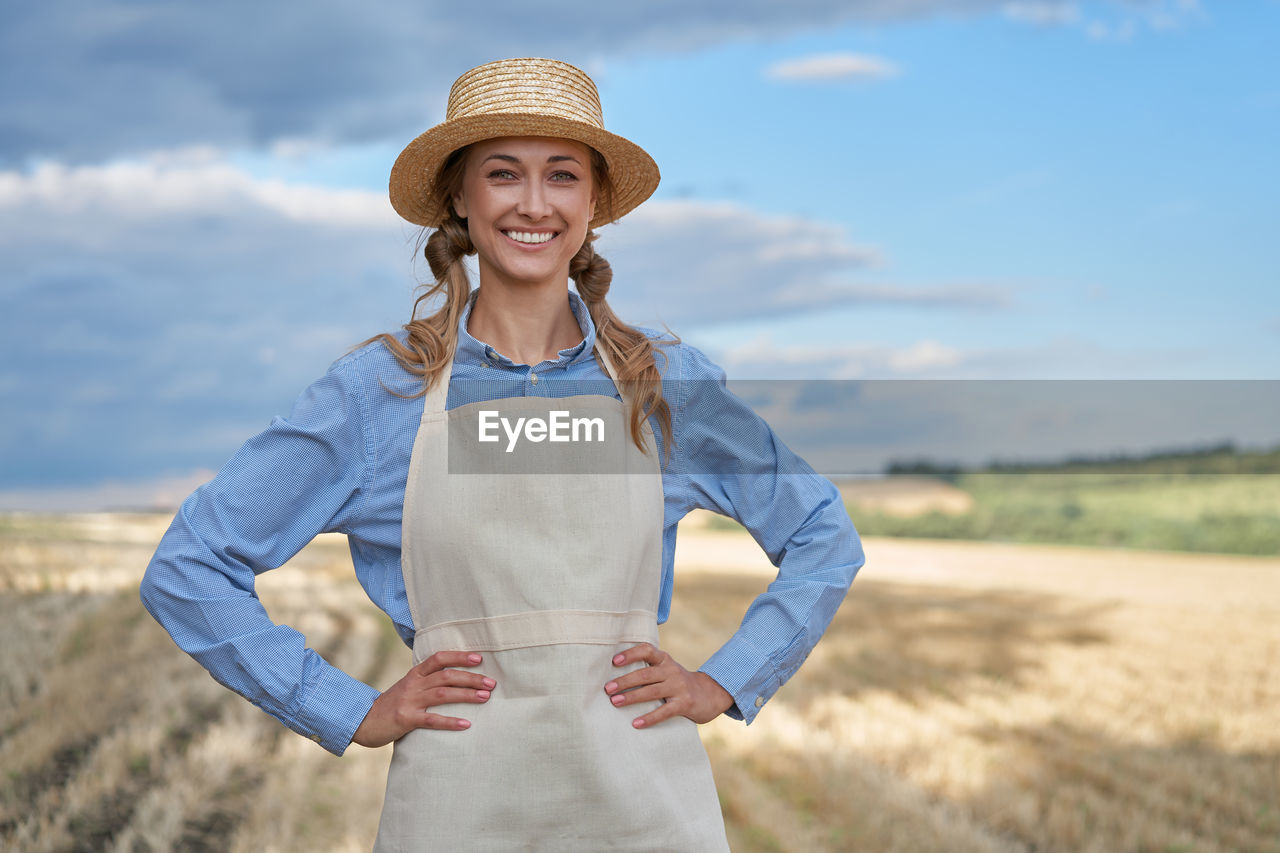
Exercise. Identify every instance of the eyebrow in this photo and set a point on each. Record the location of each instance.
(554, 158)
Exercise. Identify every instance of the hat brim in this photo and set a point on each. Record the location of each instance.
(632, 171)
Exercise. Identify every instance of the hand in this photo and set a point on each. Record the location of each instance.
(695, 695)
(403, 706)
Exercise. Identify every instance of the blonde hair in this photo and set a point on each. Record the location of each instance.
(433, 339)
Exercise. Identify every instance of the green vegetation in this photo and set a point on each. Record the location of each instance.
(1221, 458)
(1213, 500)
(1233, 514)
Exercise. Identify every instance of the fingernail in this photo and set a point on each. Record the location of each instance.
(619, 699)
(464, 724)
(639, 724)
(473, 658)
(483, 694)
(489, 682)
(610, 687)
(618, 659)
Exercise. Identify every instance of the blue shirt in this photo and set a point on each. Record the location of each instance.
(339, 463)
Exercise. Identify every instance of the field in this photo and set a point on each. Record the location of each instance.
(1215, 501)
(1173, 511)
(969, 696)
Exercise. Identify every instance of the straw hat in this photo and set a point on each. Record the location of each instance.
(519, 97)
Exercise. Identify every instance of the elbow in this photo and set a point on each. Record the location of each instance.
(160, 589)
(151, 591)
(857, 557)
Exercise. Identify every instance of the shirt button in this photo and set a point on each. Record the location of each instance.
(759, 701)
(316, 738)
(533, 377)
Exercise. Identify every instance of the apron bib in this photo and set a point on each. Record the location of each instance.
(549, 575)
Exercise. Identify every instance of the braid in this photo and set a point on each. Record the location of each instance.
(628, 348)
(446, 246)
(432, 339)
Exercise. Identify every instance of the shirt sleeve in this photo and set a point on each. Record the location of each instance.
(303, 475)
(735, 465)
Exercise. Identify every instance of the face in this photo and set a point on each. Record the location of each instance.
(527, 201)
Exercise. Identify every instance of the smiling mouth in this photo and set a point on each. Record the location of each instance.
(533, 237)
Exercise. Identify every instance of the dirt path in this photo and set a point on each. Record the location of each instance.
(1203, 580)
(983, 696)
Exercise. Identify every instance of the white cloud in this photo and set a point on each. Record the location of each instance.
(1117, 31)
(171, 183)
(833, 66)
(924, 356)
(952, 296)
(1115, 22)
(1042, 14)
(685, 262)
(1175, 14)
(766, 358)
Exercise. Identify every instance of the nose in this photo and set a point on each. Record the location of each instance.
(532, 203)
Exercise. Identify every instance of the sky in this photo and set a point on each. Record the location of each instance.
(194, 222)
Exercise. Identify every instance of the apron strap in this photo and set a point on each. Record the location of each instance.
(438, 394)
(607, 365)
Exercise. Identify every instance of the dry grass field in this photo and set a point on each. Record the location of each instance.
(905, 496)
(968, 697)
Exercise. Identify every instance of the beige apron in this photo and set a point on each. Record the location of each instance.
(548, 576)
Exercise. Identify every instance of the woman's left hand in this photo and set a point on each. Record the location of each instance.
(695, 695)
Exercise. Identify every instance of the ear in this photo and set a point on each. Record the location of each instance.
(592, 213)
(459, 206)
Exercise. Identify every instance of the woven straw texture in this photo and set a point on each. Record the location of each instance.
(519, 97)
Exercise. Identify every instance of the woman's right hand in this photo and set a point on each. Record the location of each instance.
(405, 705)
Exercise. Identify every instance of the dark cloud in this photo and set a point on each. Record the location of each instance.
(155, 314)
(150, 324)
(85, 80)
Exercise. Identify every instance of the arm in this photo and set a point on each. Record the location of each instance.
(301, 476)
(737, 466)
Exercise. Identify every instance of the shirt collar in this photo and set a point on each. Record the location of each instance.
(475, 351)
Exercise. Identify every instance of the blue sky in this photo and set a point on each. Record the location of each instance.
(193, 220)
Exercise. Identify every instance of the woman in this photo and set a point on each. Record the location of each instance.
(540, 712)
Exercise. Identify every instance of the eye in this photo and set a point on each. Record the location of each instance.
(502, 175)
(564, 177)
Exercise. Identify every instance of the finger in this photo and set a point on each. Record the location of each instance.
(442, 723)
(646, 652)
(649, 693)
(665, 711)
(457, 678)
(440, 660)
(638, 678)
(449, 695)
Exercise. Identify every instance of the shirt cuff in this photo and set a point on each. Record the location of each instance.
(736, 667)
(334, 710)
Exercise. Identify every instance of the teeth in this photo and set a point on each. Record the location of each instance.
(528, 237)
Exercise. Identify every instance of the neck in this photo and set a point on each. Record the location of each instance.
(526, 324)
